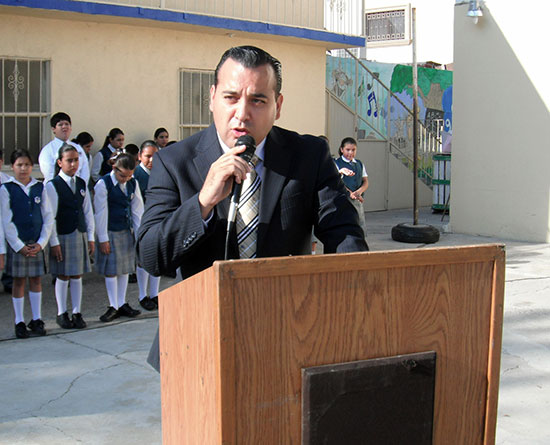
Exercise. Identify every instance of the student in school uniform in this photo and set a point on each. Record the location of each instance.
(118, 208)
(72, 237)
(354, 175)
(7, 280)
(161, 137)
(86, 141)
(147, 283)
(61, 128)
(27, 220)
(100, 164)
(133, 149)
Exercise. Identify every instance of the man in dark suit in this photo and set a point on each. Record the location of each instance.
(185, 219)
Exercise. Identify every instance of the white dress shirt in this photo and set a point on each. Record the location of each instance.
(2, 237)
(102, 209)
(48, 158)
(86, 207)
(4, 177)
(97, 161)
(10, 231)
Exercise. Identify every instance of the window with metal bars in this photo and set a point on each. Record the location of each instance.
(24, 105)
(195, 113)
(387, 26)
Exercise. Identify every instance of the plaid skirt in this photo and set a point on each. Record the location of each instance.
(122, 259)
(20, 266)
(76, 259)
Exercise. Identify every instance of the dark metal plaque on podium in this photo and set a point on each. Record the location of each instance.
(379, 401)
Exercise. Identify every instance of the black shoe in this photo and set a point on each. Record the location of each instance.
(21, 330)
(126, 311)
(78, 321)
(155, 300)
(132, 278)
(37, 326)
(148, 304)
(110, 315)
(64, 321)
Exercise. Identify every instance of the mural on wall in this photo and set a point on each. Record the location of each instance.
(364, 82)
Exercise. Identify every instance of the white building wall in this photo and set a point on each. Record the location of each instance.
(434, 29)
(501, 153)
(108, 72)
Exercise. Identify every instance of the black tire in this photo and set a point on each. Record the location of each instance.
(418, 234)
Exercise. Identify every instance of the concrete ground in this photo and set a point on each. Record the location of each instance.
(94, 387)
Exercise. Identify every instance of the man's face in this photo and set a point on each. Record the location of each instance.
(62, 130)
(244, 102)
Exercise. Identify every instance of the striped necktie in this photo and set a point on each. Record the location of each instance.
(248, 213)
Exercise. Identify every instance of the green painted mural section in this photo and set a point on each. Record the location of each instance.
(402, 79)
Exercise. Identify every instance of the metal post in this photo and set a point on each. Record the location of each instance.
(415, 121)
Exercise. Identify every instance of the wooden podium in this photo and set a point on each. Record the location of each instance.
(235, 338)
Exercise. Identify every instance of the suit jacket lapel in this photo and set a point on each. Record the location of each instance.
(207, 151)
(277, 164)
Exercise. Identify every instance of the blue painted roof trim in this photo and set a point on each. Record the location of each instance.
(188, 19)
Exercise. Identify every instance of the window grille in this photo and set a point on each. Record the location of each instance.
(388, 26)
(195, 113)
(24, 105)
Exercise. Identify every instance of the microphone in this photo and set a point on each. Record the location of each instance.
(250, 144)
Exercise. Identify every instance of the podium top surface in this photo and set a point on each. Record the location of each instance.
(298, 265)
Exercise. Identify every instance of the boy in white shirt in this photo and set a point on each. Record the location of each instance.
(61, 128)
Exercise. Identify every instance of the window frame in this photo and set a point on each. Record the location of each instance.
(186, 129)
(14, 82)
(407, 40)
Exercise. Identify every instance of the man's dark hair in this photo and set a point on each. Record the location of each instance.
(252, 57)
(58, 117)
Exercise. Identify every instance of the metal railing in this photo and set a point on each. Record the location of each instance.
(381, 114)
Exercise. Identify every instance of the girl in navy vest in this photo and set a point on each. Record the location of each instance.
(101, 166)
(354, 176)
(118, 208)
(72, 238)
(27, 220)
(146, 282)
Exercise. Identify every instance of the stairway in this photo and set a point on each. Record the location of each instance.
(380, 114)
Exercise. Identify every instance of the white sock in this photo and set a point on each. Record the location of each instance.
(110, 284)
(178, 274)
(36, 304)
(18, 307)
(154, 284)
(142, 279)
(76, 294)
(122, 284)
(61, 295)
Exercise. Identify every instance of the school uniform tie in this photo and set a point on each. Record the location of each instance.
(73, 185)
(248, 213)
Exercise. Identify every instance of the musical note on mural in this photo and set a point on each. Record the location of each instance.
(372, 99)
